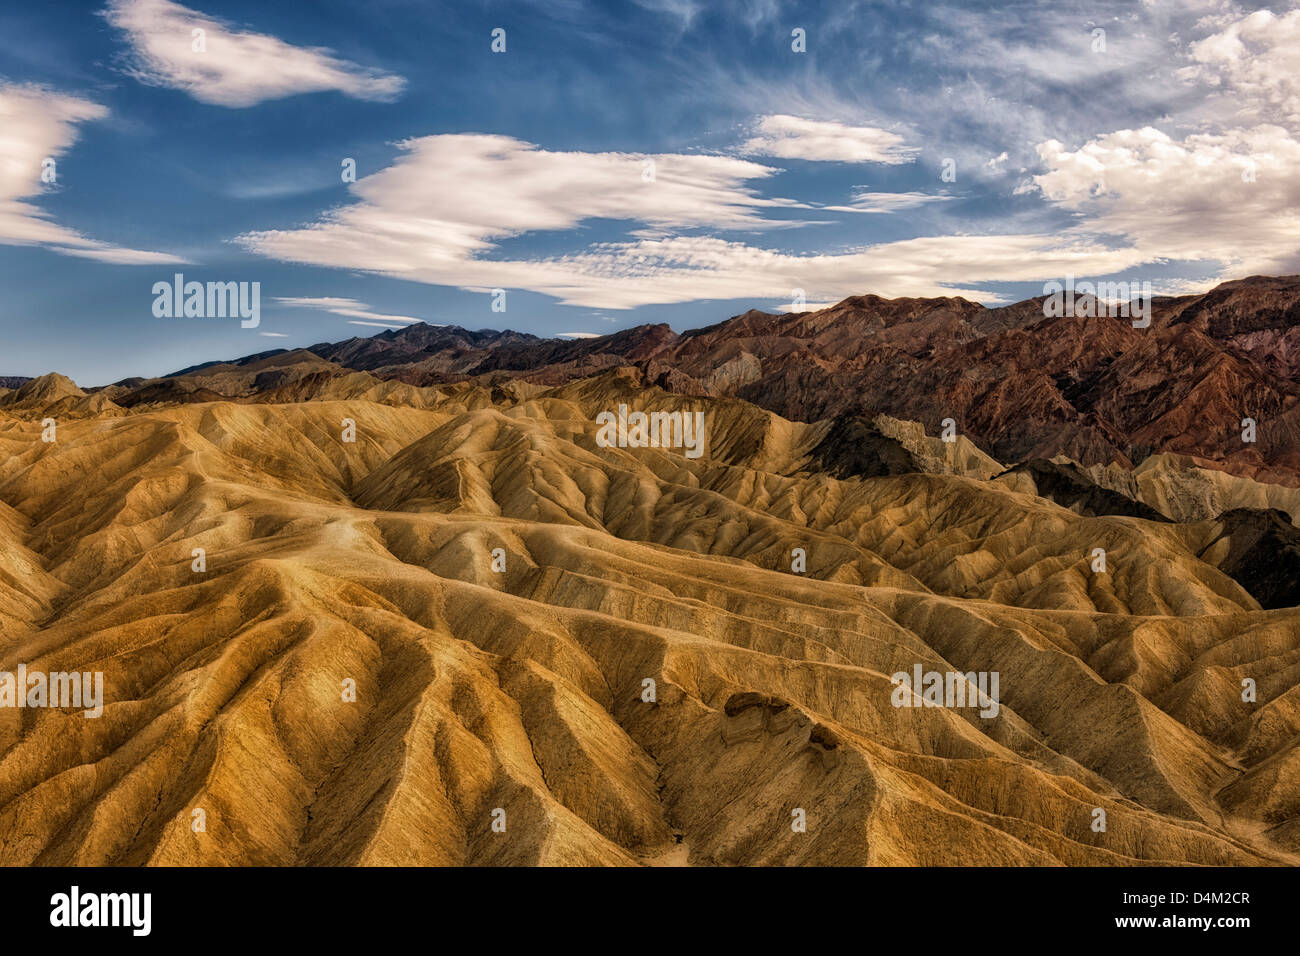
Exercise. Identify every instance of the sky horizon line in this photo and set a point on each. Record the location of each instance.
(267, 353)
(604, 165)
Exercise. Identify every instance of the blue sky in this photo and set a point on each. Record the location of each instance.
(619, 163)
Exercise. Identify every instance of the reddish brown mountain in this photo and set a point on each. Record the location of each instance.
(1022, 385)
(1019, 384)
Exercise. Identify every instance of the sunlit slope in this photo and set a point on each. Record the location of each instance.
(524, 689)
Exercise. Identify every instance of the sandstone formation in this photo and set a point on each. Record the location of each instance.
(615, 652)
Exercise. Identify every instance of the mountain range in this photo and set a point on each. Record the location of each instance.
(395, 600)
(1018, 384)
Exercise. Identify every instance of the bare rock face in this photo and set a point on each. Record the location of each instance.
(855, 447)
(1023, 385)
(1071, 487)
(43, 392)
(1261, 550)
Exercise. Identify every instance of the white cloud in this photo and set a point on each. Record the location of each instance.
(683, 269)
(348, 308)
(790, 137)
(1184, 286)
(802, 306)
(577, 335)
(1232, 197)
(448, 198)
(274, 335)
(1254, 60)
(872, 202)
(236, 68)
(449, 202)
(684, 11)
(1226, 192)
(37, 124)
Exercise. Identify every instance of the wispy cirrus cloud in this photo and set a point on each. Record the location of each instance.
(865, 200)
(358, 312)
(36, 125)
(235, 67)
(792, 137)
(684, 11)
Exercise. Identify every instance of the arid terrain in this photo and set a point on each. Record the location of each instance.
(568, 653)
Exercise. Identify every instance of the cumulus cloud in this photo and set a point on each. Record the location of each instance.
(37, 124)
(790, 137)
(1225, 193)
(1254, 60)
(236, 68)
(1231, 196)
(358, 312)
